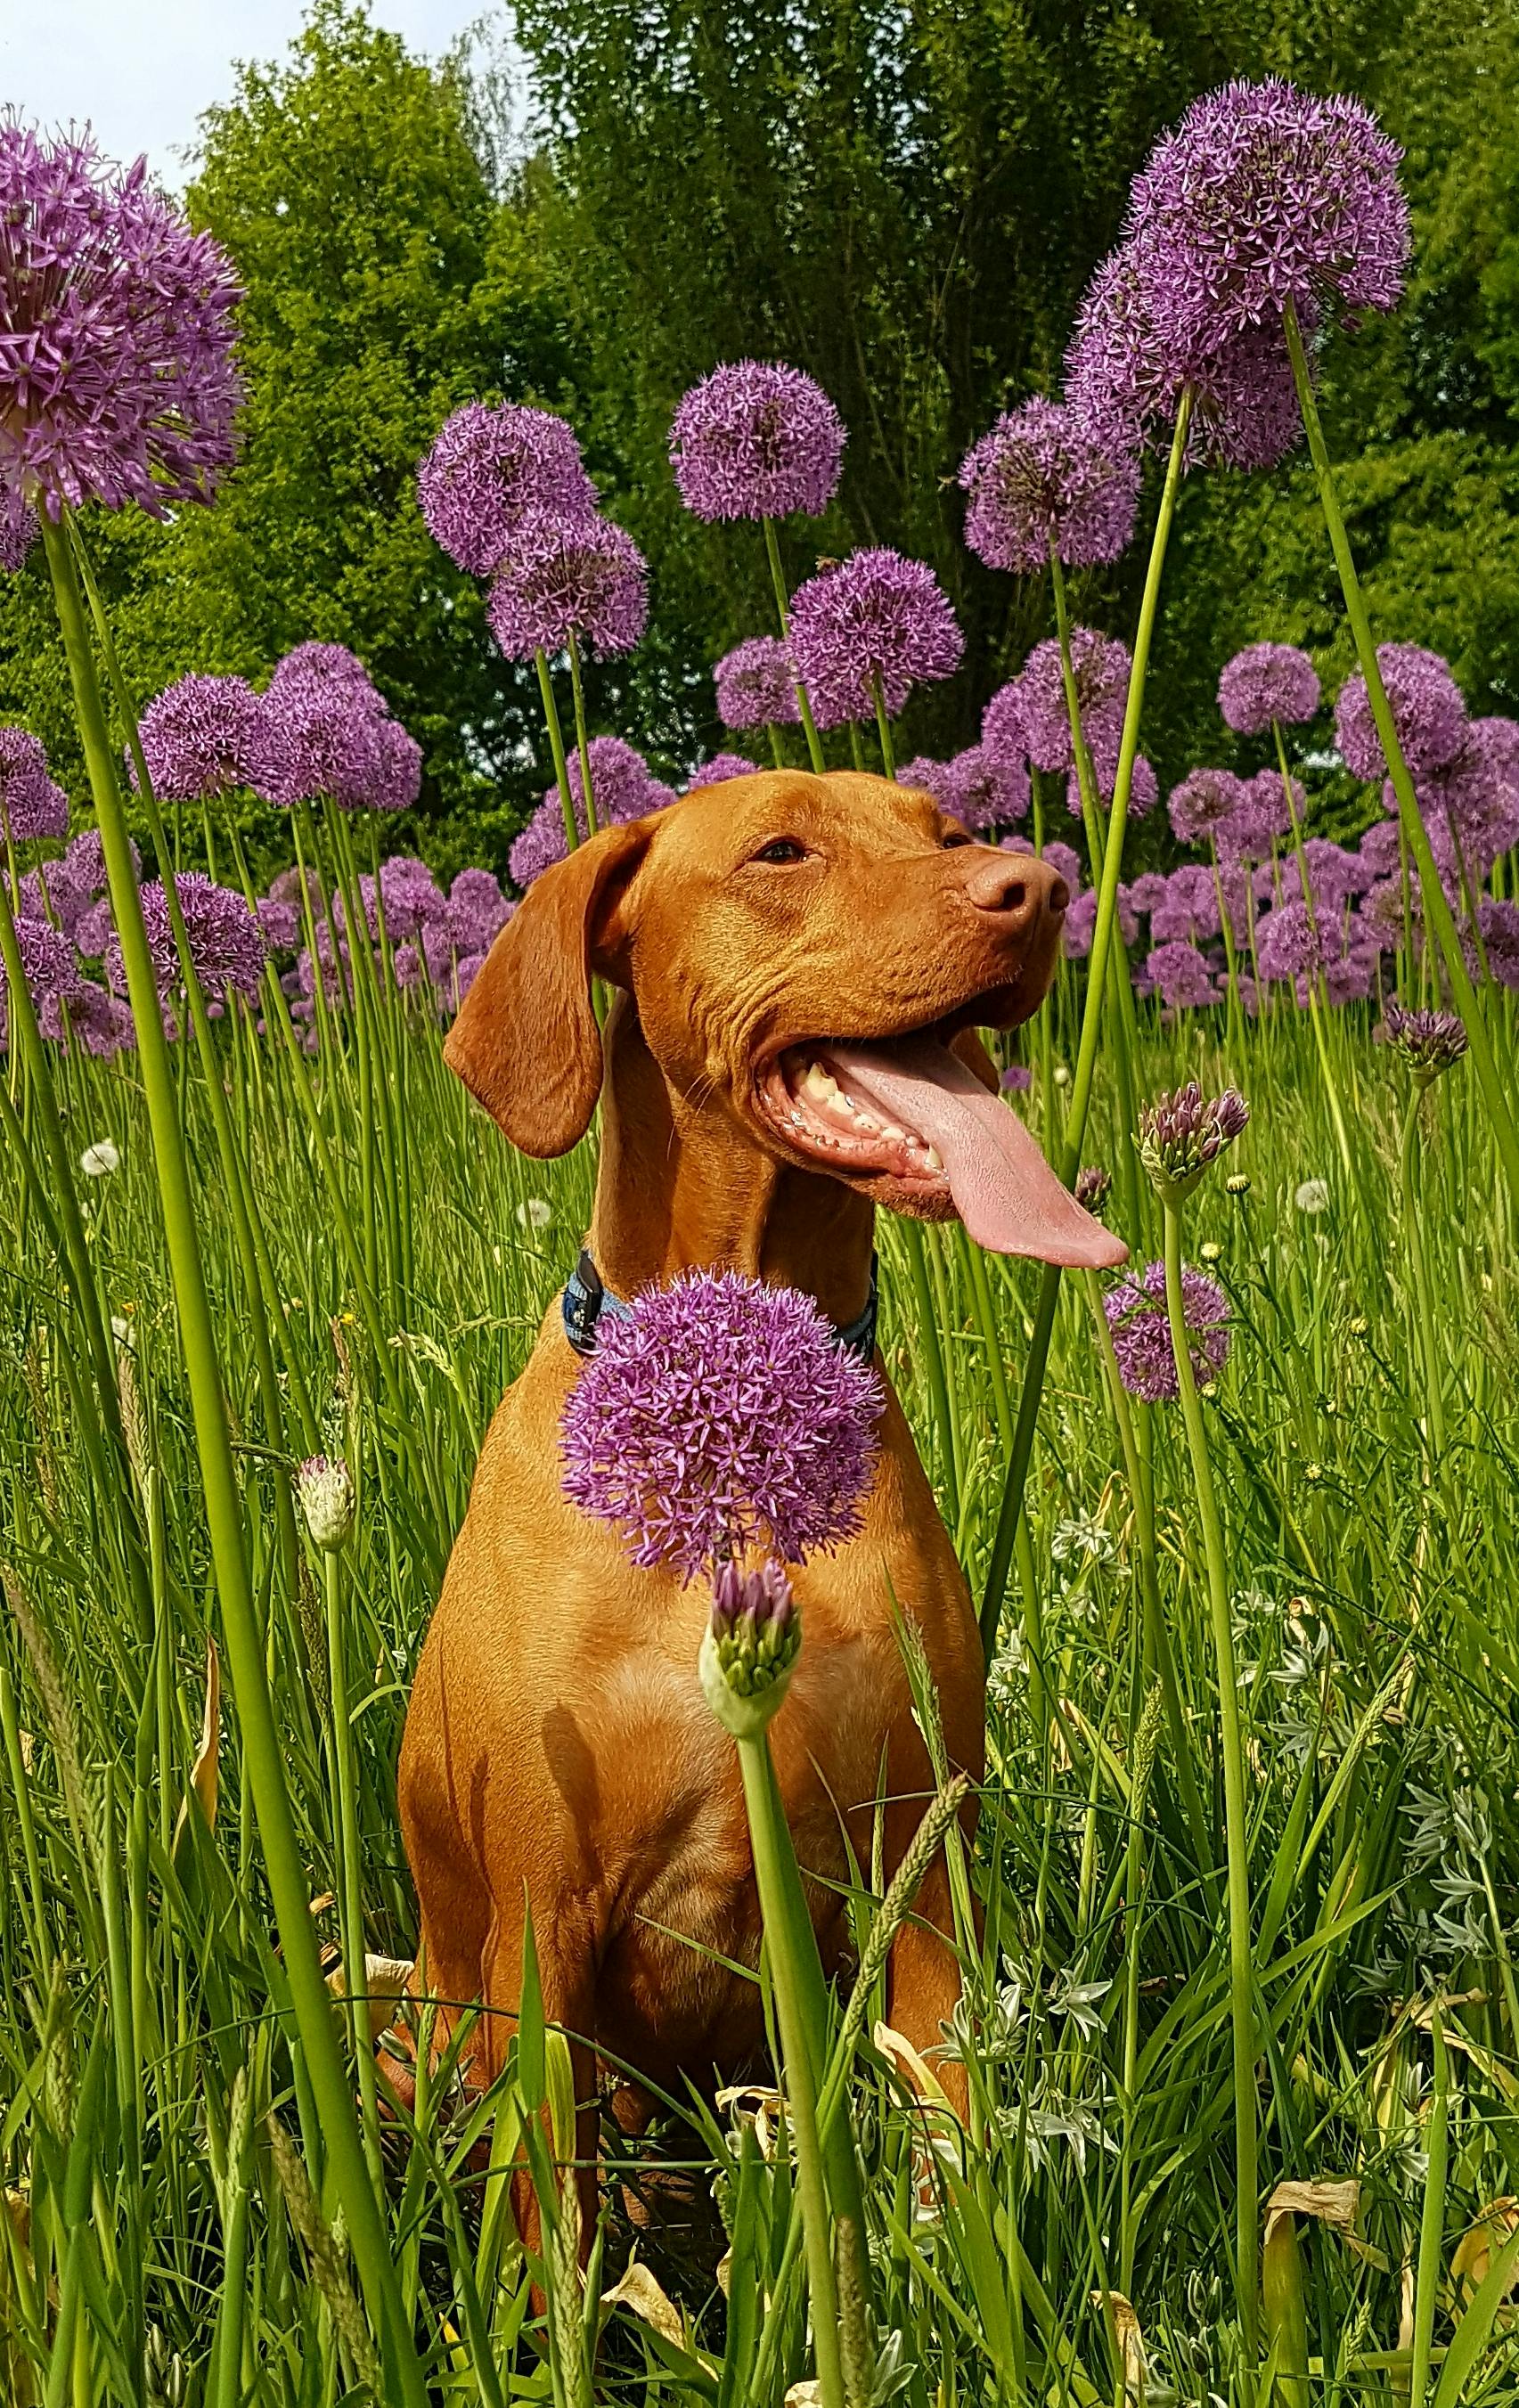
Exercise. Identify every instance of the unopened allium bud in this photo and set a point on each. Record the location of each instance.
(325, 1489)
(1182, 1133)
(1093, 1186)
(1429, 1042)
(751, 1644)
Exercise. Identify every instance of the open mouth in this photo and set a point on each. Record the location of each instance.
(904, 1118)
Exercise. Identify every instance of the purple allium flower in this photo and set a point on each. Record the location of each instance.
(1002, 725)
(280, 924)
(1142, 1331)
(1264, 195)
(1066, 862)
(49, 962)
(1288, 944)
(324, 1490)
(322, 737)
(1499, 925)
(1203, 805)
(1016, 1079)
(1051, 477)
(1127, 360)
(561, 577)
(719, 1416)
(33, 805)
(89, 1017)
(1263, 816)
(1080, 927)
(411, 896)
(1100, 667)
(1146, 891)
(487, 468)
(756, 684)
(1093, 1186)
(1267, 682)
(922, 772)
(319, 664)
(1429, 1042)
(1334, 875)
(984, 790)
(204, 735)
(1188, 906)
(466, 969)
(1143, 788)
(1183, 1131)
(875, 620)
(477, 911)
(718, 769)
(1477, 796)
(621, 787)
(755, 441)
(1428, 712)
(1180, 975)
(117, 381)
(227, 944)
(18, 530)
(398, 780)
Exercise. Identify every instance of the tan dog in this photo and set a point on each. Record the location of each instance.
(802, 963)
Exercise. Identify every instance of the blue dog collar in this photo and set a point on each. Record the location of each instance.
(585, 1301)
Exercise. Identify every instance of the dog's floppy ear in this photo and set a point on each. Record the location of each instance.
(525, 1042)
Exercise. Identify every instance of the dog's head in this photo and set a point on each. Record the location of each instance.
(811, 956)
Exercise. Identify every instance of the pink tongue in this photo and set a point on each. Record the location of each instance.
(1005, 1192)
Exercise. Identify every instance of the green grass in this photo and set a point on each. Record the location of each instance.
(161, 2245)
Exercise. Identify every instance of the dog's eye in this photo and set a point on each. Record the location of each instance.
(784, 849)
(955, 836)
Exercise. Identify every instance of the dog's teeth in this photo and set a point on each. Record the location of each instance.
(837, 1101)
(890, 1131)
(818, 1084)
(934, 1158)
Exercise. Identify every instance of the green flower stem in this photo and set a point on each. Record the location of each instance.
(1422, 1293)
(262, 1751)
(1500, 1111)
(884, 728)
(556, 746)
(802, 2049)
(856, 747)
(583, 743)
(1236, 1824)
(782, 604)
(1317, 991)
(914, 1239)
(1010, 1512)
(1426, 2283)
(777, 751)
(349, 1886)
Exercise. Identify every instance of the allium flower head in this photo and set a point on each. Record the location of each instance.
(1204, 804)
(322, 738)
(33, 805)
(721, 1415)
(875, 620)
(487, 468)
(117, 381)
(477, 911)
(1263, 815)
(718, 769)
(1180, 975)
(1143, 785)
(18, 530)
(751, 1646)
(204, 735)
(621, 788)
(1100, 665)
(753, 440)
(1142, 1331)
(319, 664)
(984, 789)
(1289, 942)
(756, 684)
(49, 963)
(398, 776)
(226, 943)
(1051, 476)
(1183, 1131)
(1264, 195)
(561, 575)
(1093, 1186)
(1427, 710)
(1429, 1042)
(324, 1487)
(1267, 682)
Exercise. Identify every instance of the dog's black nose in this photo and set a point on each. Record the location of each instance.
(1016, 887)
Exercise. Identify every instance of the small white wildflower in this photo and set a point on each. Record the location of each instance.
(99, 1160)
(1212, 1252)
(1061, 1075)
(1081, 1537)
(535, 1212)
(1313, 1195)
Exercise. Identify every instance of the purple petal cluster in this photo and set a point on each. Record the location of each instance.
(561, 576)
(1183, 1131)
(622, 787)
(719, 1416)
(487, 468)
(1142, 1331)
(1204, 806)
(1427, 710)
(1051, 478)
(117, 381)
(1143, 788)
(1268, 683)
(205, 736)
(1100, 667)
(1429, 1041)
(324, 732)
(982, 789)
(877, 620)
(1002, 727)
(33, 805)
(18, 530)
(227, 944)
(477, 911)
(718, 769)
(755, 441)
(756, 684)
(1180, 975)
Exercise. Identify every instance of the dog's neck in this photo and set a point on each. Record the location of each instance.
(681, 1186)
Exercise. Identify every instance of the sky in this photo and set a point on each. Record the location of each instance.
(141, 71)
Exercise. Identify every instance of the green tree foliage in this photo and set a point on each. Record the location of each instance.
(385, 281)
